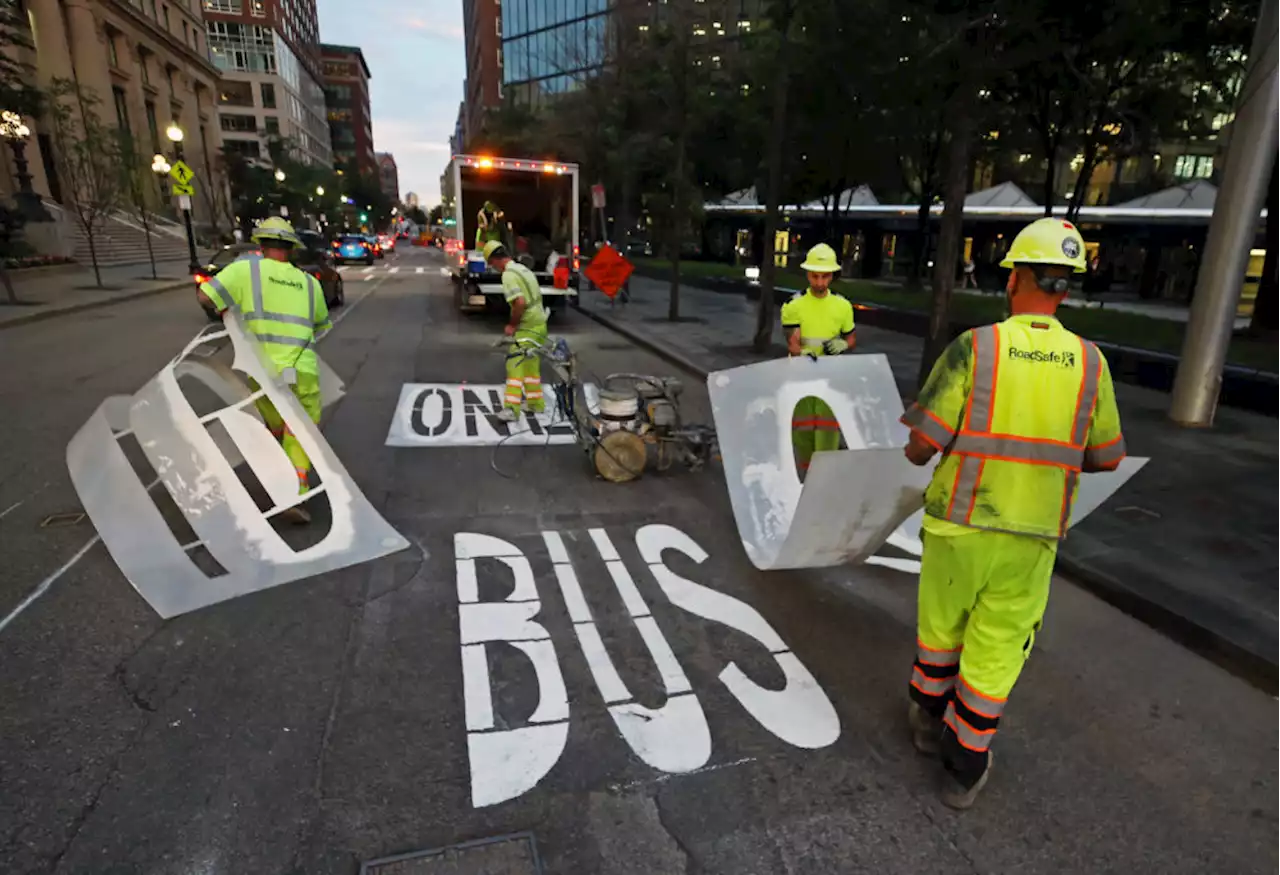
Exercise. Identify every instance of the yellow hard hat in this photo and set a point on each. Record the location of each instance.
(275, 228)
(821, 259)
(491, 247)
(1047, 241)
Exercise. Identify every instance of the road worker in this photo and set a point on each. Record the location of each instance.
(488, 224)
(816, 323)
(527, 328)
(1018, 410)
(284, 308)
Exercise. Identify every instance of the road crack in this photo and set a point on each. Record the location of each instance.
(691, 865)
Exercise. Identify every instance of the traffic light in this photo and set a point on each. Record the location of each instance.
(364, 217)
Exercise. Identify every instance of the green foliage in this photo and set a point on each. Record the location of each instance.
(17, 57)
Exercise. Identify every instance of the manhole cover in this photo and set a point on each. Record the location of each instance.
(515, 854)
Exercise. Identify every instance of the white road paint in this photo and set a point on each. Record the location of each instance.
(368, 269)
(44, 585)
(419, 269)
(394, 270)
(674, 738)
(800, 713)
(10, 509)
(506, 762)
(662, 779)
(49, 581)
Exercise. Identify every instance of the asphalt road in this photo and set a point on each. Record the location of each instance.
(344, 718)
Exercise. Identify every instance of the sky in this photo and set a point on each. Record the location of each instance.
(417, 62)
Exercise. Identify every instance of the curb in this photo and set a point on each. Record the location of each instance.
(1235, 658)
(658, 348)
(42, 315)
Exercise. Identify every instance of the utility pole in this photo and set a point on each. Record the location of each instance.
(1250, 155)
(175, 135)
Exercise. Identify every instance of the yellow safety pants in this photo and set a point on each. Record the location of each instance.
(524, 372)
(981, 601)
(307, 390)
(813, 429)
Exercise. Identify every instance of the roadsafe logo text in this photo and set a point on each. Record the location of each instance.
(1065, 359)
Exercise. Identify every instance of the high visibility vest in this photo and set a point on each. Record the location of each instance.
(819, 319)
(281, 306)
(519, 282)
(1017, 408)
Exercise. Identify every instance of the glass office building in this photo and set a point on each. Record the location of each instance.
(548, 46)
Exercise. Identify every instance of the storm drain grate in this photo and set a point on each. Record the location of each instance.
(514, 854)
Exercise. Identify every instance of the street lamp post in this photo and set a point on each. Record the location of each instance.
(175, 135)
(15, 132)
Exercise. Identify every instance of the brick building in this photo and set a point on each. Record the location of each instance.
(346, 94)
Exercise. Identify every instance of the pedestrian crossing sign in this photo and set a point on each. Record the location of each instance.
(180, 189)
(182, 175)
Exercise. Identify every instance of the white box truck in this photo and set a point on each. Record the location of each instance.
(538, 203)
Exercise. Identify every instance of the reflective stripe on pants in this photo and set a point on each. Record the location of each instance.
(524, 373)
(307, 391)
(813, 429)
(982, 598)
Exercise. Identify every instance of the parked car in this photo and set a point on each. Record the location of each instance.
(352, 247)
(318, 264)
(375, 245)
(387, 242)
(313, 240)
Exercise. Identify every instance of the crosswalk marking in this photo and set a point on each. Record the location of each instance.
(419, 269)
(369, 269)
(395, 270)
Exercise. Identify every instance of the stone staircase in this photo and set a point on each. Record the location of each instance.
(121, 239)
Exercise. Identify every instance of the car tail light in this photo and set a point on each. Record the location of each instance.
(576, 261)
(202, 278)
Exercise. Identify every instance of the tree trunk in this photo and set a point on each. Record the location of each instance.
(93, 253)
(677, 190)
(1050, 171)
(921, 243)
(10, 292)
(1266, 305)
(951, 229)
(763, 338)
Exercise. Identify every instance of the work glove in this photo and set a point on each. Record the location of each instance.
(836, 345)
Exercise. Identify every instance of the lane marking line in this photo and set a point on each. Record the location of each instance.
(10, 509)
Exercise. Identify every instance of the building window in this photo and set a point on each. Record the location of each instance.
(246, 148)
(258, 9)
(186, 37)
(112, 56)
(1193, 166)
(153, 126)
(166, 18)
(230, 7)
(122, 108)
(153, 10)
(241, 47)
(235, 93)
(143, 70)
(272, 125)
(268, 95)
(244, 124)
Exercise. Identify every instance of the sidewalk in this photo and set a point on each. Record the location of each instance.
(47, 293)
(1188, 546)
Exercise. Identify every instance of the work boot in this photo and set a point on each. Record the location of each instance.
(954, 794)
(508, 414)
(926, 730)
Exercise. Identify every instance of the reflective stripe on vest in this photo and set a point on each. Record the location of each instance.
(976, 443)
(260, 312)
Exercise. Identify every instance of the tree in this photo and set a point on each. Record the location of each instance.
(138, 183)
(88, 157)
(11, 222)
(17, 94)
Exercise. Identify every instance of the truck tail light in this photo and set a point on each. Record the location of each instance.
(576, 260)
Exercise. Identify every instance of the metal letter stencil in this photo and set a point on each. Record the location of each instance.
(853, 501)
(197, 470)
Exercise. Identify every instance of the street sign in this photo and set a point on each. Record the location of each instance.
(608, 270)
(181, 190)
(184, 201)
(597, 197)
(181, 173)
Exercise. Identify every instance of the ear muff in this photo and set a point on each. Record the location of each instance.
(1055, 285)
